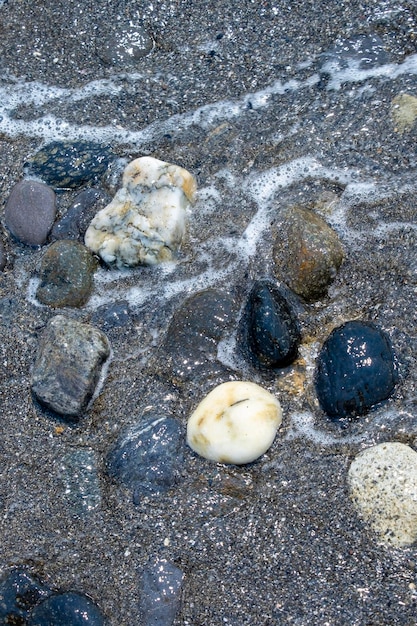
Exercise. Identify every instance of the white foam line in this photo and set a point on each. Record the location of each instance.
(352, 73)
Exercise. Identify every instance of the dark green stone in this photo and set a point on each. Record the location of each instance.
(69, 165)
(66, 275)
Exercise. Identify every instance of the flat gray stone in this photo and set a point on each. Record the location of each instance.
(30, 212)
(68, 365)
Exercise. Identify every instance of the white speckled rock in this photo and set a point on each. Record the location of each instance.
(145, 222)
(235, 423)
(383, 485)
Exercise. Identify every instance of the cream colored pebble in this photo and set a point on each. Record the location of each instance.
(383, 485)
(235, 423)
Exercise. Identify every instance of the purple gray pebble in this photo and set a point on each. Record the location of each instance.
(30, 212)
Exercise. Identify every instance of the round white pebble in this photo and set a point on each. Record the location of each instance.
(235, 423)
(383, 485)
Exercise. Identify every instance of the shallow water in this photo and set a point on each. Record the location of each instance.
(265, 122)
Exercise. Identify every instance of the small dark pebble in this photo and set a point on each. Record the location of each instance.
(124, 44)
(19, 593)
(161, 593)
(30, 212)
(66, 609)
(269, 333)
(66, 275)
(355, 370)
(68, 365)
(116, 315)
(79, 215)
(148, 457)
(68, 165)
(367, 50)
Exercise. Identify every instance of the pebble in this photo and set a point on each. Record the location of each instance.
(161, 593)
(68, 365)
(404, 112)
(235, 423)
(19, 593)
(366, 50)
(69, 609)
(113, 316)
(383, 485)
(125, 44)
(79, 215)
(145, 222)
(269, 333)
(3, 256)
(70, 164)
(30, 212)
(148, 457)
(81, 485)
(66, 275)
(307, 253)
(355, 370)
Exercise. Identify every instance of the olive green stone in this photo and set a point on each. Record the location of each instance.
(307, 253)
(66, 275)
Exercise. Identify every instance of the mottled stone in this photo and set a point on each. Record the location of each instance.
(148, 458)
(66, 275)
(307, 252)
(30, 212)
(383, 485)
(3, 256)
(235, 423)
(68, 365)
(355, 370)
(70, 164)
(69, 609)
(145, 222)
(160, 593)
(125, 44)
(19, 593)
(404, 112)
(269, 333)
(79, 475)
(79, 215)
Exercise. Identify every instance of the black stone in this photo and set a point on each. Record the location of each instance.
(149, 456)
(68, 165)
(19, 593)
(269, 334)
(79, 215)
(69, 609)
(355, 370)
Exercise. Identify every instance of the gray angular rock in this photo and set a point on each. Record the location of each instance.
(68, 365)
(30, 212)
(66, 275)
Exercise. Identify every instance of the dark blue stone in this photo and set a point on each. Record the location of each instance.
(115, 315)
(148, 458)
(161, 593)
(19, 593)
(269, 333)
(355, 370)
(69, 609)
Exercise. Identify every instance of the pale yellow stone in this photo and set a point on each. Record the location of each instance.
(235, 423)
(146, 220)
(383, 485)
(404, 112)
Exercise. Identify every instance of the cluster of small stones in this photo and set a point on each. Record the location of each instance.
(238, 420)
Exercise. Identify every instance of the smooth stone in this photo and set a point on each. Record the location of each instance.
(70, 164)
(113, 316)
(3, 256)
(355, 370)
(148, 457)
(145, 222)
(30, 212)
(19, 593)
(235, 423)
(365, 50)
(161, 593)
(269, 332)
(404, 112)
(69, 609)
(383, 485)
(68, 365)
(79, 215)
(125, 44)
(66, 275)
(189, 347)
(81, 485)
(307, 253)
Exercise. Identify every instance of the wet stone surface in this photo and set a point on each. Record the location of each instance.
(71, 164)
(71, 609)
(79, 214)
(81, 485)
(355, 370)
(19, 593)
(160, 593)
(30, 212)
(125, 44)
(66, 275)
(68, 365)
